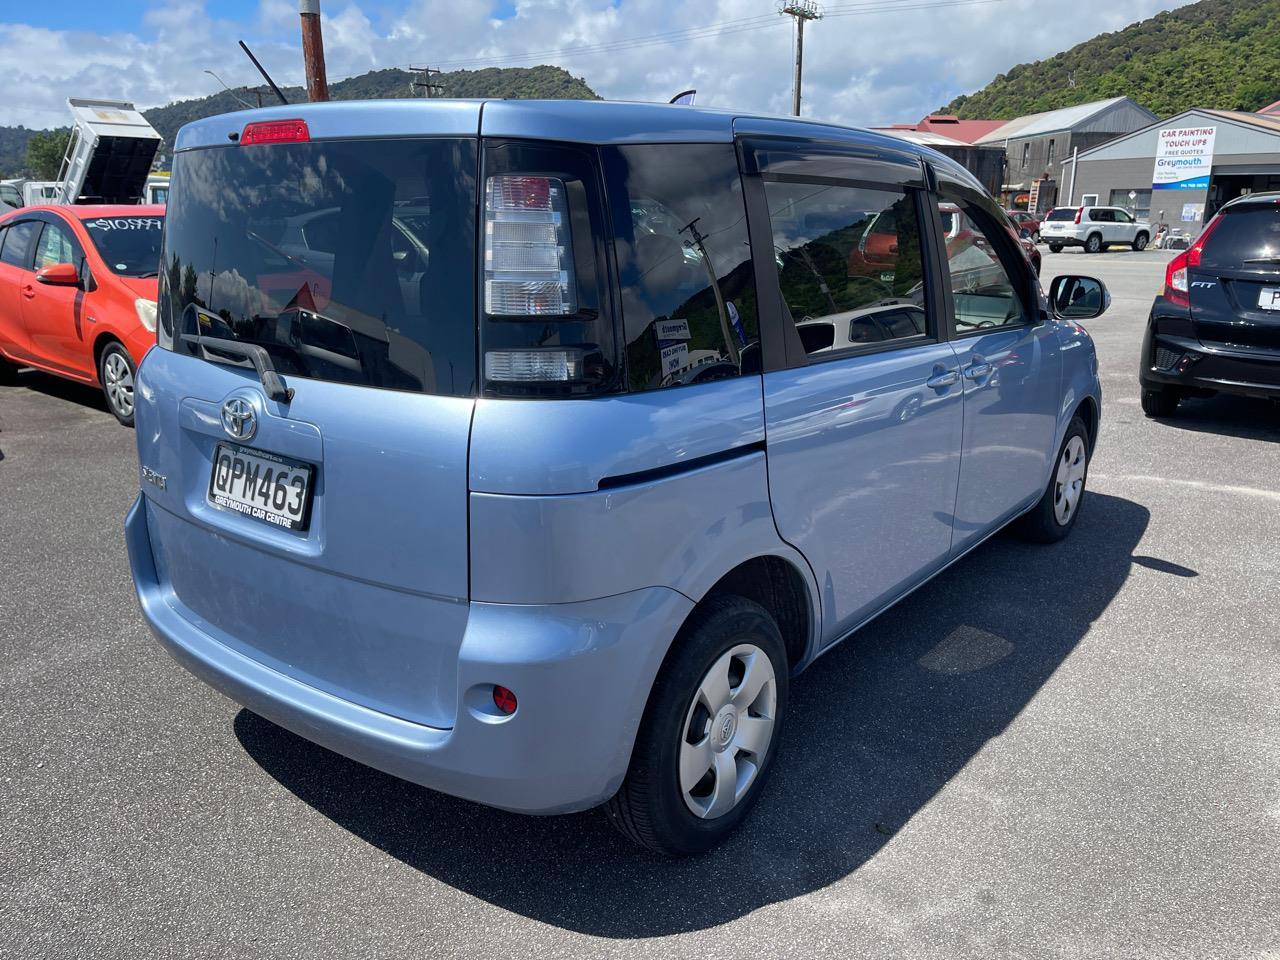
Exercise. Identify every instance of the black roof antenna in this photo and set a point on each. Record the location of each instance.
(265, 76)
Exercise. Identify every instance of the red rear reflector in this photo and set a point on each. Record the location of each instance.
(504, 699)
(275, 131)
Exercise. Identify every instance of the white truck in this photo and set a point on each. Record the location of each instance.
(109, 155)
(1094, 228)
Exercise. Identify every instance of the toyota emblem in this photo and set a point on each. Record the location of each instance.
(238, 419)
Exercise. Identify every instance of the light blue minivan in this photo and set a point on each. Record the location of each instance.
(525, 450)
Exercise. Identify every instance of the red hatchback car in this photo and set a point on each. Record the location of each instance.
(78, 294)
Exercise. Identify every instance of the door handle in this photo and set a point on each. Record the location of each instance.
(29, 291)
(940, 381)
(977, 370)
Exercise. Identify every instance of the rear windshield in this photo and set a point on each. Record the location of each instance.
(1063, 213)
(1245, 233)
(349, 261)
(130, 246)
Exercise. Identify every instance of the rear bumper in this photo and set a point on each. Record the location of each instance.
(581, 672)
(1190, 365)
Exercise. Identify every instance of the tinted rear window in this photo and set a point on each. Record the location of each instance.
(130, 246)
(1067, 213)
(350, 261)
(1245, 233)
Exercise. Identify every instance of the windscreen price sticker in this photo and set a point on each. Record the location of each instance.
(125, 223)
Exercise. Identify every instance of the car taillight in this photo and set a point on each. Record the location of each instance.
(1079, 213)
(528, 259)
(1175, 280)
(1177, 286)
(275, 131)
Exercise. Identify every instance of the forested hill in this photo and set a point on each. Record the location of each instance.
(1215, 53)
(517, 83)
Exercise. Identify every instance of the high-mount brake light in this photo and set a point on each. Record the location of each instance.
(528, 253)
(275, 131)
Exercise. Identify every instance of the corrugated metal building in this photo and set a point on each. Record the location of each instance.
(1245, 159)
(1037, 145)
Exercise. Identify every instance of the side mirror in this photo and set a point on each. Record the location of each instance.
(1024, 233)
(1078, 298)
(59, 275)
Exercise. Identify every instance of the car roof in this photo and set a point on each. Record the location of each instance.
(576, 121)
(1266, 196)
(91, 211)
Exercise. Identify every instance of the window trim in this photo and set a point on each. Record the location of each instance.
(1006, 253)
(31, 248)
(781, 346)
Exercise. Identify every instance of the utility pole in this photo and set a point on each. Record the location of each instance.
(313, 50)
(800, 10)
(422, 81)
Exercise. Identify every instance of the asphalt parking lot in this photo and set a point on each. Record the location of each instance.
(1066, 751)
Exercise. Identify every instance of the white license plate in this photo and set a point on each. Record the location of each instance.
(261, 485)
(1269, 298)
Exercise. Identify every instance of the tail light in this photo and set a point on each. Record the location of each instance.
(528, 263)
(1177, 285)
(1079, 213)
(544, 334)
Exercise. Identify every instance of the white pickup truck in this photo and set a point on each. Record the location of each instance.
(1094, 228)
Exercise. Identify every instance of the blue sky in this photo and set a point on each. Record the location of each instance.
(868, 62)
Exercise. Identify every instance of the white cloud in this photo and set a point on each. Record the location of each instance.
(858, 69)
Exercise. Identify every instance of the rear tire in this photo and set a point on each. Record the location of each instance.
(116, 373)
(1055, 248)
(1140, 242)
(1160, 402)
(1052, 518)
(691, 746)
(1093, 243)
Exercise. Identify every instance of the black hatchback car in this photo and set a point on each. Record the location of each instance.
(1216, 326)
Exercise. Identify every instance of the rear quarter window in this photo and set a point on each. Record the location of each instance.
(1243, 234)
(684, 264)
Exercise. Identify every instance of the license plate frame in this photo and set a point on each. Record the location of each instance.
(1269, 299)
(266, 514)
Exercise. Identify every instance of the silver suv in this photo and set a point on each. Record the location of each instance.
(1094, 228)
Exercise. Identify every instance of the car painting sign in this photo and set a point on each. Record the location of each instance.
(1184, 157)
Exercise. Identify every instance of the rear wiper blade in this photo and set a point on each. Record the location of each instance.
(1262, 260)
(211, 347)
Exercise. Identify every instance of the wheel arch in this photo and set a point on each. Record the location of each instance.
(782, 585)
(1087, 410)
(100, 343)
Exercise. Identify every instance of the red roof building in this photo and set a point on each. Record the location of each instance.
(966, 131)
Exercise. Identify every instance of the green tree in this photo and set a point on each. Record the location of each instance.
(44, 153)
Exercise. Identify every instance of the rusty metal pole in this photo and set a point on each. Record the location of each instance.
(313, 50)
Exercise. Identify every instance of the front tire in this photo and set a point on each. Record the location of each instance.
(1052, 518)
(1140, 243)
(1160, 402)
(116, 373)
(710, 731)
(1093, 243)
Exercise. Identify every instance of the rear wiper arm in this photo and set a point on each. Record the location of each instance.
(1262, 260)
(211, 347)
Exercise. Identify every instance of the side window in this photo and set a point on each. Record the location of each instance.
(1100, 216)
(55, 246)
(17, 243)
(850, 263)
(982, 289)
(684, 264)
(1121, 216)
